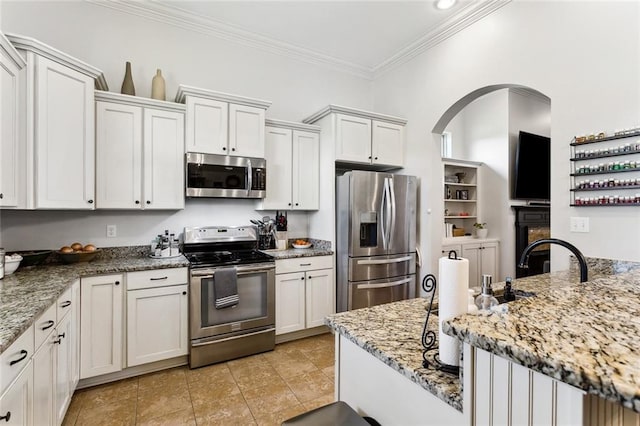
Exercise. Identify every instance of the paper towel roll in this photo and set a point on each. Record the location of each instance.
(453, 284)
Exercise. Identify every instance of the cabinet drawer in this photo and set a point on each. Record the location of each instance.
(44, 325)
(64, 304)
(301, 264)
(156, 278)
(15, 358)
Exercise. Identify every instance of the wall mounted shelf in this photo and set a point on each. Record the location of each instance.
(632, 134)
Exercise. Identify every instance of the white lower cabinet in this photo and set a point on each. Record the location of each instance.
(304, 298)
(63, 373)
(44, 382)
(16, 403)
(157, 324)
(483, 259)
(101, 318)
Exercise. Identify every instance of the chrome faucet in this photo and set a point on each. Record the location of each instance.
(524, 259)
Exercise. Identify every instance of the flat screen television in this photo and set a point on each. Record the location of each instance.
(532, 168)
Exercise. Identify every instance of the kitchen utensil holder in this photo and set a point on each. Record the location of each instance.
(429, 338)
(266, 241)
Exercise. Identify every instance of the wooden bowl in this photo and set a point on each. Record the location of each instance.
(79, 256)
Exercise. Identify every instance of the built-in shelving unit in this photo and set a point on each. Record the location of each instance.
(620, 179)
(461, 183)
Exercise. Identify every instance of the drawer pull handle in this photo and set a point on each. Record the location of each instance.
(158, 279)
(66, 303)
(57, 341)
(61, 335)
(305, 264)
(24, 355)
(50, 324)
(6, 417)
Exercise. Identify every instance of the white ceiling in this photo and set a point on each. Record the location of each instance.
(361, 37)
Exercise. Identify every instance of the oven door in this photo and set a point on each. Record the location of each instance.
(256, 306)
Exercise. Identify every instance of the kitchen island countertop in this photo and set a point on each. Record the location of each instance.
(26, 294)
(583, 334)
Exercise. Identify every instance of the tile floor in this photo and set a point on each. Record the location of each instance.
(262, 389)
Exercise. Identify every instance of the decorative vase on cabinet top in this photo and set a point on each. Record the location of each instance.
(482, 233)
(158, 87)
(127, 84)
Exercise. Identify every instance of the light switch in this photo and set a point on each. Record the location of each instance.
(579, 224)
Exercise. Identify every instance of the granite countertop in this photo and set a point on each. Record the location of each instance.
(318, 248)
(586, 335)
(27, 293)
(392, 333)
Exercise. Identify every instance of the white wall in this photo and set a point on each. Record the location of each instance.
(562, 49)
(107, 39)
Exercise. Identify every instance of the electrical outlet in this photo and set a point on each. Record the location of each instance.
(579, 224)
(112, 231)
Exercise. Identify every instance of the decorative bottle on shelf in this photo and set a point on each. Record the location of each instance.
(485, 301)
(127, 84)
(158, 86)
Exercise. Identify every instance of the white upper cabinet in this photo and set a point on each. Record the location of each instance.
(223, 124)
(353, 139)
(362, 137)
(11, 75)
(292, 151)
(140, 153)
(59, 128)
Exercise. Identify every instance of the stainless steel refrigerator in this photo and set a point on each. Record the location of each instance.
(376, 238)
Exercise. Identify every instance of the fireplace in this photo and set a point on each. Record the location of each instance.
(532, 223)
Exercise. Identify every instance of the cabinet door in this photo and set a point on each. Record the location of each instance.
(75, 335)
(206, 126)
(17, 401)
(63, 373)
(472, 253)
(279, 174)
(319, 296)
(489, 260)
(44, 385)
(290, 300)
(246, 131)
(118, 156)
(387, 143)
(353, 139)
(64, 137)
(9, 142)
(163, 159)
(306, 170)
(157, 325)
(100, 325)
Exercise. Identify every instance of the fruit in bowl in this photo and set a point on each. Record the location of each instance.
(11, 263)
(76, 252)
(301, 244)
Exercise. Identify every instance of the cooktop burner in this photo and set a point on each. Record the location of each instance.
(222, 246)
(222, 258)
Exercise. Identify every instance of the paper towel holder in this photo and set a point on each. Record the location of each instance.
(429, 285)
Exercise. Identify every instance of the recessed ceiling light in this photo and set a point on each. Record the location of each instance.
(444, 4)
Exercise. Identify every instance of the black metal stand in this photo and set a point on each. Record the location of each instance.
(429, 337)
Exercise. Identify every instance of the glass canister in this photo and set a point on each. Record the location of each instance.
(2, 254)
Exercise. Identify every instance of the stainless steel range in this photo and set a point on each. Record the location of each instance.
(232, 294)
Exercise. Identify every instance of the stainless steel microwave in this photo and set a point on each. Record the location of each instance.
(211, 175)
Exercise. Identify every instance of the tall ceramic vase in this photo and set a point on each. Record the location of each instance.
(157, 86)
(127, 84)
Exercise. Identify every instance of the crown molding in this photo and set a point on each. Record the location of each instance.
(184, 91)
(32, 45)
(458, 22)
(181, 18)
(11, 52)
(282, 124)
(138, 101)
(329, 109)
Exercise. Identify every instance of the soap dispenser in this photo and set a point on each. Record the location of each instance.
(509, 295)
(485, 301)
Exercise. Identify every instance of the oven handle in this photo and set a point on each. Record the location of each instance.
(240, 336)
(240, 271)
(250, 177)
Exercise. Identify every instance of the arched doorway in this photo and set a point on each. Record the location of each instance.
(489, 120)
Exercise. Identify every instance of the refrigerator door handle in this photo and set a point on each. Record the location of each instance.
(392, 198)
(383, 261)
(383, 285)
(383, 216)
